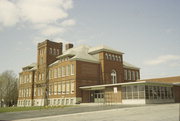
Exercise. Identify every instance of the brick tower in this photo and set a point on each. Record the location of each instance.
(46, 55)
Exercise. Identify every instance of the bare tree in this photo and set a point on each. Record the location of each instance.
(8, 88)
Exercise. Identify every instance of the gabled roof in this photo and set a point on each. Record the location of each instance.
(101, 48)
(128, 65)
(78, 53)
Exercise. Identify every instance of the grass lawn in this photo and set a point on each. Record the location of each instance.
(15, 109)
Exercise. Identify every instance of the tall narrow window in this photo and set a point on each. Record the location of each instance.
(63, 88)
(55, 73)
(133, 75)
(125, 74)
(72, 69)
(59, 88)
(67, 88)
(59, 72)
(50, 51)
(114, 76)
(67, 71)
(137, 75)
(72, 87)
(63, 71)
(113, 57)
(55, 89)
(129, 75)
(107, 56)
(120, 58)
(42, 76)
(54, 51)
(57, 52)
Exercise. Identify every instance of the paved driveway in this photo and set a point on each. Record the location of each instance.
(60, 111)
(166, 112)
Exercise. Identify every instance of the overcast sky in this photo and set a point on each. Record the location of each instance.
(147, 31)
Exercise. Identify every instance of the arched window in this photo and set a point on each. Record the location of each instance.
(114, 76)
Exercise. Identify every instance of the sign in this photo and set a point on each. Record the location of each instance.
(115, 89)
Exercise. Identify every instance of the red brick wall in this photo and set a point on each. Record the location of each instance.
(176, 90)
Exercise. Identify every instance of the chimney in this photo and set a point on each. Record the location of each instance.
(69, 46)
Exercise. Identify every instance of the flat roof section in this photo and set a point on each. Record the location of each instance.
(101, 87)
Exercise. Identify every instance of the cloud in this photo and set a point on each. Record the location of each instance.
(52, 30)
(44, 16)
(42, 11)
(9, 14)
(162, 59)
(69, 22)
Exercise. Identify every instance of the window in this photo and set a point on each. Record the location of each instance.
(42, 76)
(72, 69)
(39, 91)
(72, 101)
(35, 78)
(72, 87)
(50, 90)
(59, 72)
(54, 101)
(67, 101)
(30, 76)
(113, 58)
(120, 58)
(55, 73)
(110, 58)
(50, 51)
(54, 51)
(41, 60)
(116, 58)
(107, 56)
(67, 88)
(114, 76)
(59, 88)
(19, 93)
(129, 75)
(63, 71)
(29, 92)
(67, 71)
(135, 92)
(59, 101)
(49, 74)
(133, 75)
(125, 74)
(137, 75)
(63, 88)
(57, 52)
(55, 89)
(35, 91)
(39, 77)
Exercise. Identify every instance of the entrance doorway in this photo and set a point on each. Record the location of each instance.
(99, 96)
